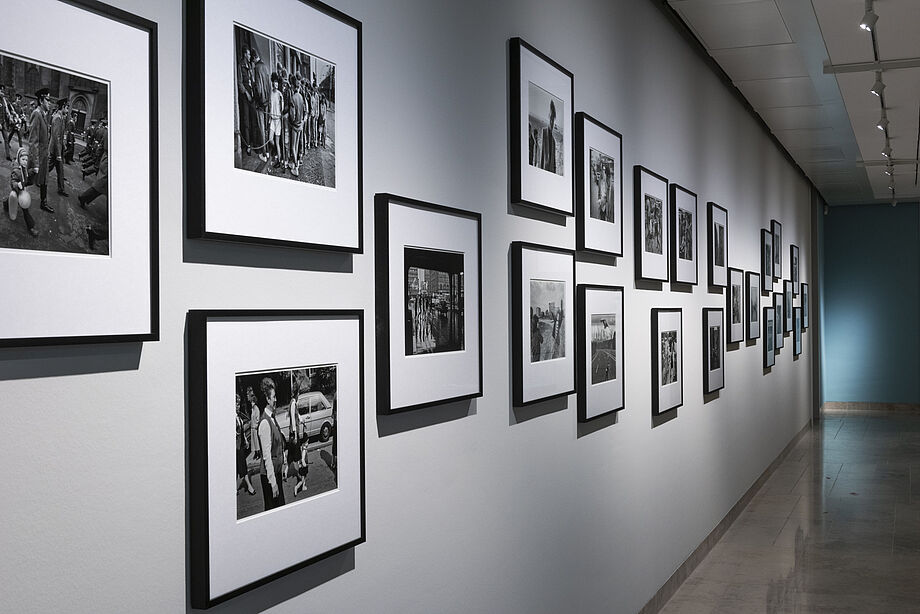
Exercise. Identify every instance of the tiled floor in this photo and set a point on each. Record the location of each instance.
(835, 529)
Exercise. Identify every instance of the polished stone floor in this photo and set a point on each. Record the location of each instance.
(835, 529)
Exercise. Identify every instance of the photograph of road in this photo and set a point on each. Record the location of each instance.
(603, 348)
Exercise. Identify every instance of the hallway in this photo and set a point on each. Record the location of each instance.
(835, 529)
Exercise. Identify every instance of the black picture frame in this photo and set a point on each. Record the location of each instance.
(583, 350)
(662, 262)
(776, 230)
(779, 311)
(659, 405)
(521, 395)
(385, 275)
(797, 333)
(734, 331)
(196, 144)
(718, 273)
(11, 335)
(769, 331)
(676, 193)
(794, 268)
(713, 375)
(787, 307)
(766, 261)
(198, 433)
(521, 193)
(752, 302)
(804, 302)
(583, 238)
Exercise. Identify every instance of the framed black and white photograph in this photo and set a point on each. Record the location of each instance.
(598, 186)
(776, 230)
(543, 336)
(794, 268)
(717, 235)
(274, 121)
(804, 299)
(713, 350)
(766, 261)
(779, 318)
(752, 304)
(667, 360)
(683, 239)
(429, 306)
(769, 337)
(600, 352)
(797, 337)
(79, 221)
(787, 306)
(651, 224)
(294, 444)
(542, 125)
(735, 306)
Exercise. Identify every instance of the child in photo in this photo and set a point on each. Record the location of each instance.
(19, 198)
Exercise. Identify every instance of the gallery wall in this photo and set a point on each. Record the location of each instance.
(475, 507)
(871, 301)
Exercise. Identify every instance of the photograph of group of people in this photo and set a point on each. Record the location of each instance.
(284, 120)
(54, 122)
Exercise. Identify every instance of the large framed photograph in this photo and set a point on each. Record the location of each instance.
(600, 352)
(683, 235)
(752, 291)
(598, 186)
(769, 337)
(543, 336)
(804, 300)
(79, 217)
(429, 305)
(293, 445)
(776, 230)
(717, 235)
(542, 122)
(766, 261)
(651, 224)
(797, 337)
(734, 306)
(794, 268)
(667, 360)
(779, 310)
(713, 350)
(787, 306)
(273, 97)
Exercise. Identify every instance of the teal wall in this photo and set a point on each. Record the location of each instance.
(871, 304)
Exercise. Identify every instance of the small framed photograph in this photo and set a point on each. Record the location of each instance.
(797, 339)
(713, 350)
(683, 235)
(769, 334)
(543, 339)
(542, 112)
(779, 309)
(804, 300)
(651, 224)
(294, 444)
(717, 235)
(776, 229)
(429, 306)
(667, 360)
(734, 306)
(79, 223)
(273, 124)
(766, 261)
(787, 306)
(598, 186)
(753, 304)
(794, 268)
(600, 355)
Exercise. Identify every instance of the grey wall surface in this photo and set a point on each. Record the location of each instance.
(478, 508)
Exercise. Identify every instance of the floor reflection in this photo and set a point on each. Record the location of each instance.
(835, 529)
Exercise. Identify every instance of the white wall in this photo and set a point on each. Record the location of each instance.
(468, 510)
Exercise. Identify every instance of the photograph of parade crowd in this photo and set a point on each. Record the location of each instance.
(547, 320)
(685, 234)
(434, 301)
(603, 347)
(54, 127)
(715, 354)
(284, 112)
(602, 195)
(653, 224)
(286, 443)
(668, 357)
(545, 130)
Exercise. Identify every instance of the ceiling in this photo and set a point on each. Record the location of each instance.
(806, 68)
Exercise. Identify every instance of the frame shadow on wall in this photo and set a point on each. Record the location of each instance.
(55, 361)
(400, 422)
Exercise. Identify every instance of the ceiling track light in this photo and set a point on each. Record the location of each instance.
(879, 86)
(887, 151)
(883, 121)
(827, 209)
(889, 170)
(894, 202)
(869, 19)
